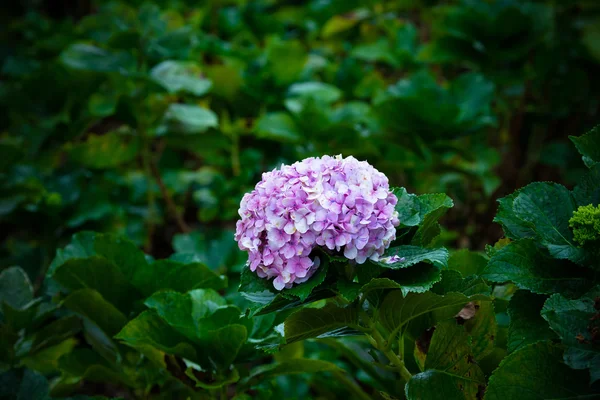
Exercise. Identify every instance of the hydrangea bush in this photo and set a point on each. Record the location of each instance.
(339, 204)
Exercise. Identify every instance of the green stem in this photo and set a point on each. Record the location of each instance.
(380, 344)
(377, 341)
(224, 392)
(351, 385)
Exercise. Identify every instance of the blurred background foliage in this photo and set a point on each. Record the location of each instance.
(151, 120)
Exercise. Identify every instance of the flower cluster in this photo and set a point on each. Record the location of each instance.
(341, 204)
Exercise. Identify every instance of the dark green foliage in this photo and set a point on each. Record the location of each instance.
(130, 130)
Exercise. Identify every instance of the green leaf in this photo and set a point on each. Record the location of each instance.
(91, 58)
(322, 93)
(587, 190)
(108, 150)
(203, 317)
(416, 279)
(406, 256)
(149, 330)
(513, 227)
(536, 370)
(423, 210)
(341, 23)
(285, 59)
(262, 373)
(31, 386)
(91, 305)
(85, 364)
(50, 335)
(481, 326)
(575, 321)
(396, 310)
(547, 208)
(379, 51)
(531, 268)
(303, 290)
(278, 126)
(188, 119)
(433, 207)
(173, 275)
(186, 312)
(348, 290)
(450, 368)
(180, 76)
(526, 324)
(45, 361)
(319, 322)
(467, 262)
(15, 288)
(101, 275)
(589, 146)
(452, 281)
(408, 207)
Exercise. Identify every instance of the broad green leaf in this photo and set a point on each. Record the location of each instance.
(589, 146)
(29, 385)
(587, 190)
(482, 327)
(467, 262)
(117, 250)
(526, 324)
(513, 227)
(408, 207)
(416, 279)
(531, 268)
(91, 58)
(91, 305)
(396, 310)
(188, 119)
(348, 290)
(15, 288)
(452, 281)
(103, 104)
(87, 365)
(290, 367)
(406, 256)
(203, 317)
(433, 207)
(45, 361)
(278, 126)
(50, 335)
(450, 368)
(101, 275)
(149, 330)
(211, 381)
(322, 93)
(536, 370)
(340, 23)
(319, 322)
(186, 312)
(265, 299)
(547, 208)
(303, 290)
(180, 76)
(105, 151)
(575, 321)
(285, 59)
(173, 275)
(378, 51)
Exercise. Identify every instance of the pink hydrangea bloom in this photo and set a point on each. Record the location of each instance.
(341, 204)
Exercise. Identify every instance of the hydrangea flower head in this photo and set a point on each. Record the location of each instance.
(340, 204)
